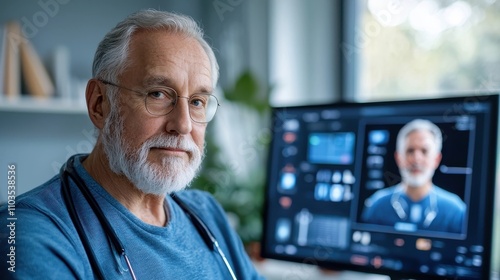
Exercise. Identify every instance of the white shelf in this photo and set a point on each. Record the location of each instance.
(42, 105)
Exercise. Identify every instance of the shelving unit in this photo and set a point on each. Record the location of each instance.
(38, 135)
(48, 105)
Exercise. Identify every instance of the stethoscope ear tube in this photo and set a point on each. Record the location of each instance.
(68, 171)
(205, 233)
(96, 268)
(430, 213)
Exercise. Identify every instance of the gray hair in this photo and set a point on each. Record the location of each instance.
(111, 55)
(419, 125)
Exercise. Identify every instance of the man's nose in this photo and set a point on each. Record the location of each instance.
(180, 121)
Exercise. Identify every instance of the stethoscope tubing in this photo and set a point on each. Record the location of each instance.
(430, 213)
(68, 171)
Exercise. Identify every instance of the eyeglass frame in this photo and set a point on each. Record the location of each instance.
(174, 103)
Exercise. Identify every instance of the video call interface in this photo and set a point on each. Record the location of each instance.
(335, 195)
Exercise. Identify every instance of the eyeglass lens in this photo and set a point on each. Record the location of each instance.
(202, 107)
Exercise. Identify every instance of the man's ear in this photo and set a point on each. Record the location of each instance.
(97, 102)
(438, 159)
(397, 158)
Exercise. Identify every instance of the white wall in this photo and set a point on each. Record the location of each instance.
(304, 39)
(38, 144)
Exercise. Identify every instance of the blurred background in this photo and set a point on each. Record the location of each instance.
(271, 53)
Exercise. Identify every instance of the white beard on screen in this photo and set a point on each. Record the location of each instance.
(174, 173)
(416, 181)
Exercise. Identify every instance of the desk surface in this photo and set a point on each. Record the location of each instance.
(274, 270)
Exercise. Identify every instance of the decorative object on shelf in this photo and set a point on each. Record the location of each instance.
(60, 68)
(34, 73)
(22, 58)
(11, 67)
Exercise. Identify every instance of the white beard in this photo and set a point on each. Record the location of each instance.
(173, 174)
(418, 180)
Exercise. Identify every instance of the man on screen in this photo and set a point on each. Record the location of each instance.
(416, 203)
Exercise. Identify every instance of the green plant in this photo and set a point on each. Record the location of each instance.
(240, 196)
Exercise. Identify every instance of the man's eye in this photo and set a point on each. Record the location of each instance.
(163, 94)
(157, 94)
(198, 101)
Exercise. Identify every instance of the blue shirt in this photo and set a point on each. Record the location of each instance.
(47, 245)
(440, 210)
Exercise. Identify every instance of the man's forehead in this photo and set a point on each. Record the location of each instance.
(423, 137)
(420, 133)
(158, 43)
(154, 52)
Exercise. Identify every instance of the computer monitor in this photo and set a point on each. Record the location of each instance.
(335, 196)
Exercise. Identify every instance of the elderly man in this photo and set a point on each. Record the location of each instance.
(119, 212)
(416, 203)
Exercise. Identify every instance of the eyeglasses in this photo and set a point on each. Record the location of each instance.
(160, 101)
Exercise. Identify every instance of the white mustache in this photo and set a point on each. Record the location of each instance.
(172, 142)
(415, 168)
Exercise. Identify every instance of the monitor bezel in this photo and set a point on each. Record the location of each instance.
(489, 97)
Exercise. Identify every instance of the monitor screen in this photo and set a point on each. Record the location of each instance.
(402, 188)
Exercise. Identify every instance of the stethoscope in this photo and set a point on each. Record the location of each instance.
(68, 171)
(399, 205)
